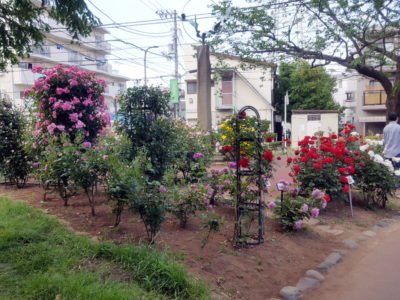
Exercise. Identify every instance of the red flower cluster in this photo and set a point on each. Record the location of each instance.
(332, 157)
(268, 155)
(227, 148)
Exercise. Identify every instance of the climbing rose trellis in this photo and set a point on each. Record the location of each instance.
(68, 100)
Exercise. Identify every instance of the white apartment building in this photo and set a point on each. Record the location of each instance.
(89, 54)
(232, 87)
(364, 100)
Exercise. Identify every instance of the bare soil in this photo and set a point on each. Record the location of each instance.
(251, 273)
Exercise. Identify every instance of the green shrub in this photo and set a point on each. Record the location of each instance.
(14, 162)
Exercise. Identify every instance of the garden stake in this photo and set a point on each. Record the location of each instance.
(351, 201)
(281, 202)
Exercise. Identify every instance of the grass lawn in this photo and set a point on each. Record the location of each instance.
(40, 259)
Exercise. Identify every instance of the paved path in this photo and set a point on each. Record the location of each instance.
(370, 273)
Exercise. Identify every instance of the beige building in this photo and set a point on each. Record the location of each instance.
(364, 100)
(232, 87)
(308, 122)
(89, 54)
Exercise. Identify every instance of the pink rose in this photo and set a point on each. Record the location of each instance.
(74, 117)
(51, 128)
(86, 144)
(80, 124)
(66, 106)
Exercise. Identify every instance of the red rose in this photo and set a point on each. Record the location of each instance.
(269, 139)
(351, 169)
(296, 169)
(362, 164)
(333, 136)
(327, 198)
(296, 152)
(342, 170)
(346, 188)
(328, 160)
(289, 160)
(244, 162)
(317, 166)
(348, 160)
(278, 158)
(343, 179)
(227, 148)
(268, 155)
(304, 159)
(242, 115)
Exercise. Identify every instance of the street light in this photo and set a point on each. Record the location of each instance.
(145, 62)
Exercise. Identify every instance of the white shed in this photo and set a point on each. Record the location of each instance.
(308, 122)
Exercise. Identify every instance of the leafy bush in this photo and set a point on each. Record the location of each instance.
(14, 162)
(375, 181)
(185, 201)
(294, 208)
(68, 100)
(57, 166)
(211, 222)
(143, 117)
(193, 152)
(89, 171)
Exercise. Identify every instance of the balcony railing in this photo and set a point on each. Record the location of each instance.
(374, 98)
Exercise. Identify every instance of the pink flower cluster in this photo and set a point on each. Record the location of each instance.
(68, 99)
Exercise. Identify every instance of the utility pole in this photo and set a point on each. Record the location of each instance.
(178, 105)
(285, 120)
(167, 14)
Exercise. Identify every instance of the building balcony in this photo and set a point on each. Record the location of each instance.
(374, 100)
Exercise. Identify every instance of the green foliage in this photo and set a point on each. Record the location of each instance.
(189, 141)
(89, 172)
(308, 88)
(57, 165)
(23, 25)
(40, 259)
(143, 118)
(211, 222)
(14, 161)
(294, 209)
(376, 182)
(185, 201)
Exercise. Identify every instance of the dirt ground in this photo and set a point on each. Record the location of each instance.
(252, 273)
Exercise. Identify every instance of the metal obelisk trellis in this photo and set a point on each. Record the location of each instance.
(249, 210)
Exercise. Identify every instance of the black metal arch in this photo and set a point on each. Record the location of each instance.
(249, 210)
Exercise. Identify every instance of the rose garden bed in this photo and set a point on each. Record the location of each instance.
(249, 273)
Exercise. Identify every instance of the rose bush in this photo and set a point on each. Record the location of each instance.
(67, 100)
(324, 162)
(294, 209)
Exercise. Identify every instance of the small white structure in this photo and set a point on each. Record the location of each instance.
(308, 122)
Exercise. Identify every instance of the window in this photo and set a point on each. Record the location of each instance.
(314, 117)
(349, 96)
(73, 57)
(21, 94)
(227, 89)
(191, 87)
(373, 83)
(25, 65)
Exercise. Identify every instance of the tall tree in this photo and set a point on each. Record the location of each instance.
(308, 88)
(23, 24)
(359, 35)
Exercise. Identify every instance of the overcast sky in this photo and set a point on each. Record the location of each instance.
(127, 59)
